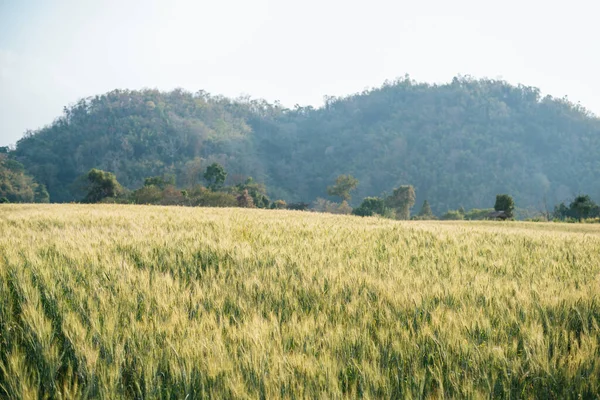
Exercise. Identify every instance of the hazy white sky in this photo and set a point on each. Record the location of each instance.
(53, 53)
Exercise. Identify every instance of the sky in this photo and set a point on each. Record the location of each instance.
(53, 53)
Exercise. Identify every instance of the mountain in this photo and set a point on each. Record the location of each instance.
(459, 143)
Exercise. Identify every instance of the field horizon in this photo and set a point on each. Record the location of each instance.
(121, 301)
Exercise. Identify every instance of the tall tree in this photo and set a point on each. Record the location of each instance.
(215, 175)
(401, 201)
(192, 172)
(425, 212)
(505, 202)
(344, 184)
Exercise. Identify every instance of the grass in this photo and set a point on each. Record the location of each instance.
(163, 302)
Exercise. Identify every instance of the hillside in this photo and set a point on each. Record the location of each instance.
(122, 302)
(459, 143)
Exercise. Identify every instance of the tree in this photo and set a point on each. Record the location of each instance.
(371, 206)
(4, 200)
(426, 212)
(561, 211)
(215, 175)
(401, 201)
(344, 184)
(101, 185)
(505, 202)
(582, 207)
(192, 172)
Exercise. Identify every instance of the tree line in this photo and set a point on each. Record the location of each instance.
(581, 208)
(103, 187)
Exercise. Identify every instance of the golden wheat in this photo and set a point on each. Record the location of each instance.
(166, 302)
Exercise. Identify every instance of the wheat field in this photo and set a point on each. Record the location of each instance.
(148, 302)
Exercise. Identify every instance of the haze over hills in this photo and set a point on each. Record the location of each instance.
(459, 143)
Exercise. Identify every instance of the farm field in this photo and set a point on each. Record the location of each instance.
(111, 302)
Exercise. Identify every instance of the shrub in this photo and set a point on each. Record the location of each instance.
(478, 214)
(453, 215)
(147, 195)
(202, 197)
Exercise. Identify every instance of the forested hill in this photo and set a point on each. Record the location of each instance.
(458, 144)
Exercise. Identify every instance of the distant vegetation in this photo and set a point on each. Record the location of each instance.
(458, 144)
(16, 186)
(125, 302)
(582, 207)
(101, 186)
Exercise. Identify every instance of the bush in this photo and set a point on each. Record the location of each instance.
(478, 214)
(592, 220)
(203, 197)
(171, 196)
(423, 218)
(453, 215)
(147, 195)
